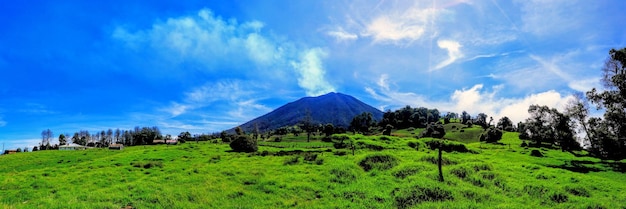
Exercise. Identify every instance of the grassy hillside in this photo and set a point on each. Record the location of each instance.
(208, 175)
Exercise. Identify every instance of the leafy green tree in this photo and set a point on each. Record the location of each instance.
(465, 117)
(551, 127)
(62, 140)
(505, 124)
(329, 129)
(362, 122)
(307, 125)
(434, 130)
(607, 136)
(491, 135)
(239, 131)
(185, 136)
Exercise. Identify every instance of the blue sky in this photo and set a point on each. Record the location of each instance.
(205, 66)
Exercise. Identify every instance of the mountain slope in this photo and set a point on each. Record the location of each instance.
(335, 108)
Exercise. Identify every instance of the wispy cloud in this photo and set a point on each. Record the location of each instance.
(341, 35)
(311, 72)
(454, 52)
(401, 27)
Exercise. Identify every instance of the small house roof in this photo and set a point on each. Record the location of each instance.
(72, 145)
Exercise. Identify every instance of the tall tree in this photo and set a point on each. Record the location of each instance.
(307, 124)
(62, 140)
(46, 135)
(608, 136)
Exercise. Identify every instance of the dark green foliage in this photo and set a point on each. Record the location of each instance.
(362, 122)
(460, 172)
(292, 160)
(416, 145)
(578, 191)
(329, 129)
(147, 165)
(407, 171)
(244, 144)
(491, 135)
(410, 197)
(378, 161)
(387, 131)
(536, 153)
(342, 175)
(559, 197)
(549, 126)
(505, 124)
(535, 191)
(410, 117)
(434, 130)
(607, 136)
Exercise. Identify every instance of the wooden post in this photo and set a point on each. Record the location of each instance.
(439, 165)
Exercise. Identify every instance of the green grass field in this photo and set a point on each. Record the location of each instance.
(208, 175)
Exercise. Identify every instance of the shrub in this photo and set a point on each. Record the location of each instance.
(536, 153)
(559, 198)
(578, 191)
(278, 139)
(292, 161)
(491, 135)
(419, 194)
(524, 144)
(310, 157)
(535, 191)
(327, 139)
(244, 144)
(434, 130)
(406, 172)
(342, 176)
(460, 172)
(378, 161)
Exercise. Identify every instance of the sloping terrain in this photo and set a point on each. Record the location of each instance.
(384, 172)
(335, 108)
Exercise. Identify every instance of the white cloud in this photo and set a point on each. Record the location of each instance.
(473, 100)
(341, 35)
(454, 52)
(401, 27)
(311, 72)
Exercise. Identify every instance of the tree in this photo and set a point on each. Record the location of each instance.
(491, 135)
(239, 131)
(46, 135)
(244, 143)
(505, 124)
(118, 135)
(481, 120)
(434, 130)
(35, 148)
(329, 129)
(62, 140)
(362, 122)
(25, 149)
(185, 136)
(551, 127)
(307, 124)
(465, 117)
(607, 136)
(19, 149)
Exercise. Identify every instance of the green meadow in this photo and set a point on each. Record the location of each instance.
(397, 171)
